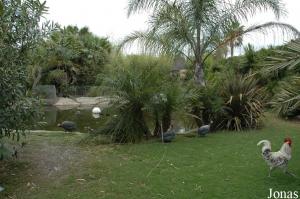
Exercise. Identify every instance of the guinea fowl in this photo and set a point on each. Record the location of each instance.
(169, 135)
(203, 130)
(68, 126)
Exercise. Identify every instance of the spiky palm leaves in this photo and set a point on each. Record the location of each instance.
(286, 102)
(141, 88)
(243, 103)
(132, 88)
(196, 28)
(286, 58)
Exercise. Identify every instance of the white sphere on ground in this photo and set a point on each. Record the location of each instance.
(96, 110)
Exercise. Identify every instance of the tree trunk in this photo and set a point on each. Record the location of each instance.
(199, 74)
(232, 49)
(37, 78)
(166, 121)
(157, 129)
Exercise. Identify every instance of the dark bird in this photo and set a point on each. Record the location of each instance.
(203, 130)
(68, 126)
(169, 135)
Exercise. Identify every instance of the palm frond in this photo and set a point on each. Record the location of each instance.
(286, 101)
(286, 58)
(138, 5)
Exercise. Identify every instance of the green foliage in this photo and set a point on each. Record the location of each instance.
(195, 29)
(288, 57)
(250, 59)
(244, 103)
(234, 103)
(286, 102)
(77, 53)
(20, 30)
(142, 88)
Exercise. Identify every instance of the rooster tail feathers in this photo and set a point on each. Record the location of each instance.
(266, 145)
(265, 142)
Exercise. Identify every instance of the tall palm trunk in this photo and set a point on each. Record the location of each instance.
(232, 48)
(199, 74)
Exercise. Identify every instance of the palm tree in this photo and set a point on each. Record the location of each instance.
(286, 100)
(196, 28)
(231, 35)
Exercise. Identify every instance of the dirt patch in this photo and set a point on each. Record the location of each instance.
(45, 160)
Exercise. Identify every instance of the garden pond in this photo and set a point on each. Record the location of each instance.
(85, 120)
(83, 117)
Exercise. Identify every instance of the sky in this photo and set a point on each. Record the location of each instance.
(108, 18)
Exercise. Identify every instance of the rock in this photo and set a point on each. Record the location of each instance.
(66, 102)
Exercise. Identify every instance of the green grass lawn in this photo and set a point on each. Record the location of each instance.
(221, 165)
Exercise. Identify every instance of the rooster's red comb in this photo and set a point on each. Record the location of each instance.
(288, 140)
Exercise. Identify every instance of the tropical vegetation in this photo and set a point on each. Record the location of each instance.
(141, 87)
(69, 57)
(188, 76)
(195, 29)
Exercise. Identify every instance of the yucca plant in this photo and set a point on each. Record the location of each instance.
(243, 103)
(286, 102)
(133, 86)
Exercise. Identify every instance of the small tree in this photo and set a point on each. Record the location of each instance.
(19, 33)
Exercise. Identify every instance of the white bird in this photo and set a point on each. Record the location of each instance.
(1, 188)
(96, 110)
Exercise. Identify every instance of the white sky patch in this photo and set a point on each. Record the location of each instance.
(108, 18)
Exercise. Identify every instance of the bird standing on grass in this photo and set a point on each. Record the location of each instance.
(277, 159)
(203, 130)
(169, 135)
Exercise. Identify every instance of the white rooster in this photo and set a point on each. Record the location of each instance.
(277, 159)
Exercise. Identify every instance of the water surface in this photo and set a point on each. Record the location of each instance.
(83, 118)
